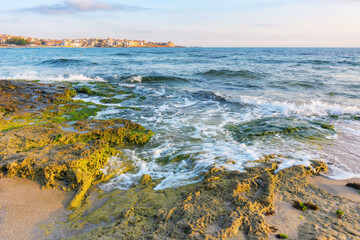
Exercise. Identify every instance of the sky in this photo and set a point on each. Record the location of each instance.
(205, 23)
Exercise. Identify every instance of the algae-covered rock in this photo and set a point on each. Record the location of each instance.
(287, 127)
(46, 136)
(223, 205)
(230, 200)
(145, 179)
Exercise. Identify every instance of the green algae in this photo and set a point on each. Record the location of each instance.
(131, 108)
(328, 126)
(174, 158)
(189, 211)
(73, 110)
(289, 127)
(340, 213)
(219, 207)
(303, 206)
(88, 91)
(102, 89)
(111, 100)
(130, 214)
(282, 236)
(50, 138)
(145, 179)
(6, 125)
(356, 117)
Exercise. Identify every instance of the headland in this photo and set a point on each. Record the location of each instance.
(8, 41)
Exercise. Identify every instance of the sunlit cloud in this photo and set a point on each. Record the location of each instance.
(75, 6)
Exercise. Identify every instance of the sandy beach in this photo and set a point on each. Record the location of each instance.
(337, 187)
(288, 219)
(26, 209)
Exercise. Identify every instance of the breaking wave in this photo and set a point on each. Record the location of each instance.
(152, 79)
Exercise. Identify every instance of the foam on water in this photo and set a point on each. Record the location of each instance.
(189, 105)
(343, 155)
(34, 75)
(312, 108)
(185, 125)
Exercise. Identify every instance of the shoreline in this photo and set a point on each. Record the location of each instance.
(30, 213)
(337, 187)
(34, 47)
(256, 204)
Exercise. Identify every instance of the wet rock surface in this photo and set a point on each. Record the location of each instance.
(44, 138)
(225, 205)
(48, 137)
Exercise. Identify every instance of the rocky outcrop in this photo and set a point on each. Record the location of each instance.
(46, 136)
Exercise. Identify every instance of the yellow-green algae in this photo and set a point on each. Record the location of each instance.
(227, 201)
(46, 136)
(219, 207)
(231, 200)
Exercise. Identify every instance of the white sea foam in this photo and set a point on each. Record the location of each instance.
(197, 128)
(33, 75)
(203, 136)
(343, 156)
(136, 78)
(268, 107)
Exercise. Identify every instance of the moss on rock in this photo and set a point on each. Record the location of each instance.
(48, 137)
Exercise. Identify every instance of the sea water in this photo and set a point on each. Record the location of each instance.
(217, 106)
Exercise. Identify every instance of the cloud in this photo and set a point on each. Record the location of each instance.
(75, 6)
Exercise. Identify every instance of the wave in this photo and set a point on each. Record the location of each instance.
(332, 63)
(345, 62)
(33, 75)
(267, 107)
(152, 79)
(315, 62)
(229, 73)
(63, 62)
(302, 84)
(208, 95)
(120, 54)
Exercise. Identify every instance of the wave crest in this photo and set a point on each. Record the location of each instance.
(62, 61)
(152, 79)
(229, 73)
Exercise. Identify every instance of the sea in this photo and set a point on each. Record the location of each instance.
(225, 107)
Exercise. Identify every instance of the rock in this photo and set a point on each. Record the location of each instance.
(145, 179)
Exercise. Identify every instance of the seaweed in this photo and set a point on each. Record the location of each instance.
(328, 126)
(353, 185)
(282, 236)
(340, 214)
(111, 100)
(305, 206)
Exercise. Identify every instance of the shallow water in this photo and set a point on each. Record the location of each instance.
(219, 106)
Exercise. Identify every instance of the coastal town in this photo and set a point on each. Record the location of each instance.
(7, 40)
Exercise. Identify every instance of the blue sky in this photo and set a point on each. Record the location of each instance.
(217, 23)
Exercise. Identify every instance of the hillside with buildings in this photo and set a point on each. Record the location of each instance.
(6, 41)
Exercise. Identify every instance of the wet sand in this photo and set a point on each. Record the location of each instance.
(25, 208)
(287, 219)
(337, 187)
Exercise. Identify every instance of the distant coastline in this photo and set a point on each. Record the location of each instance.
(27, 46)
(10, 41)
